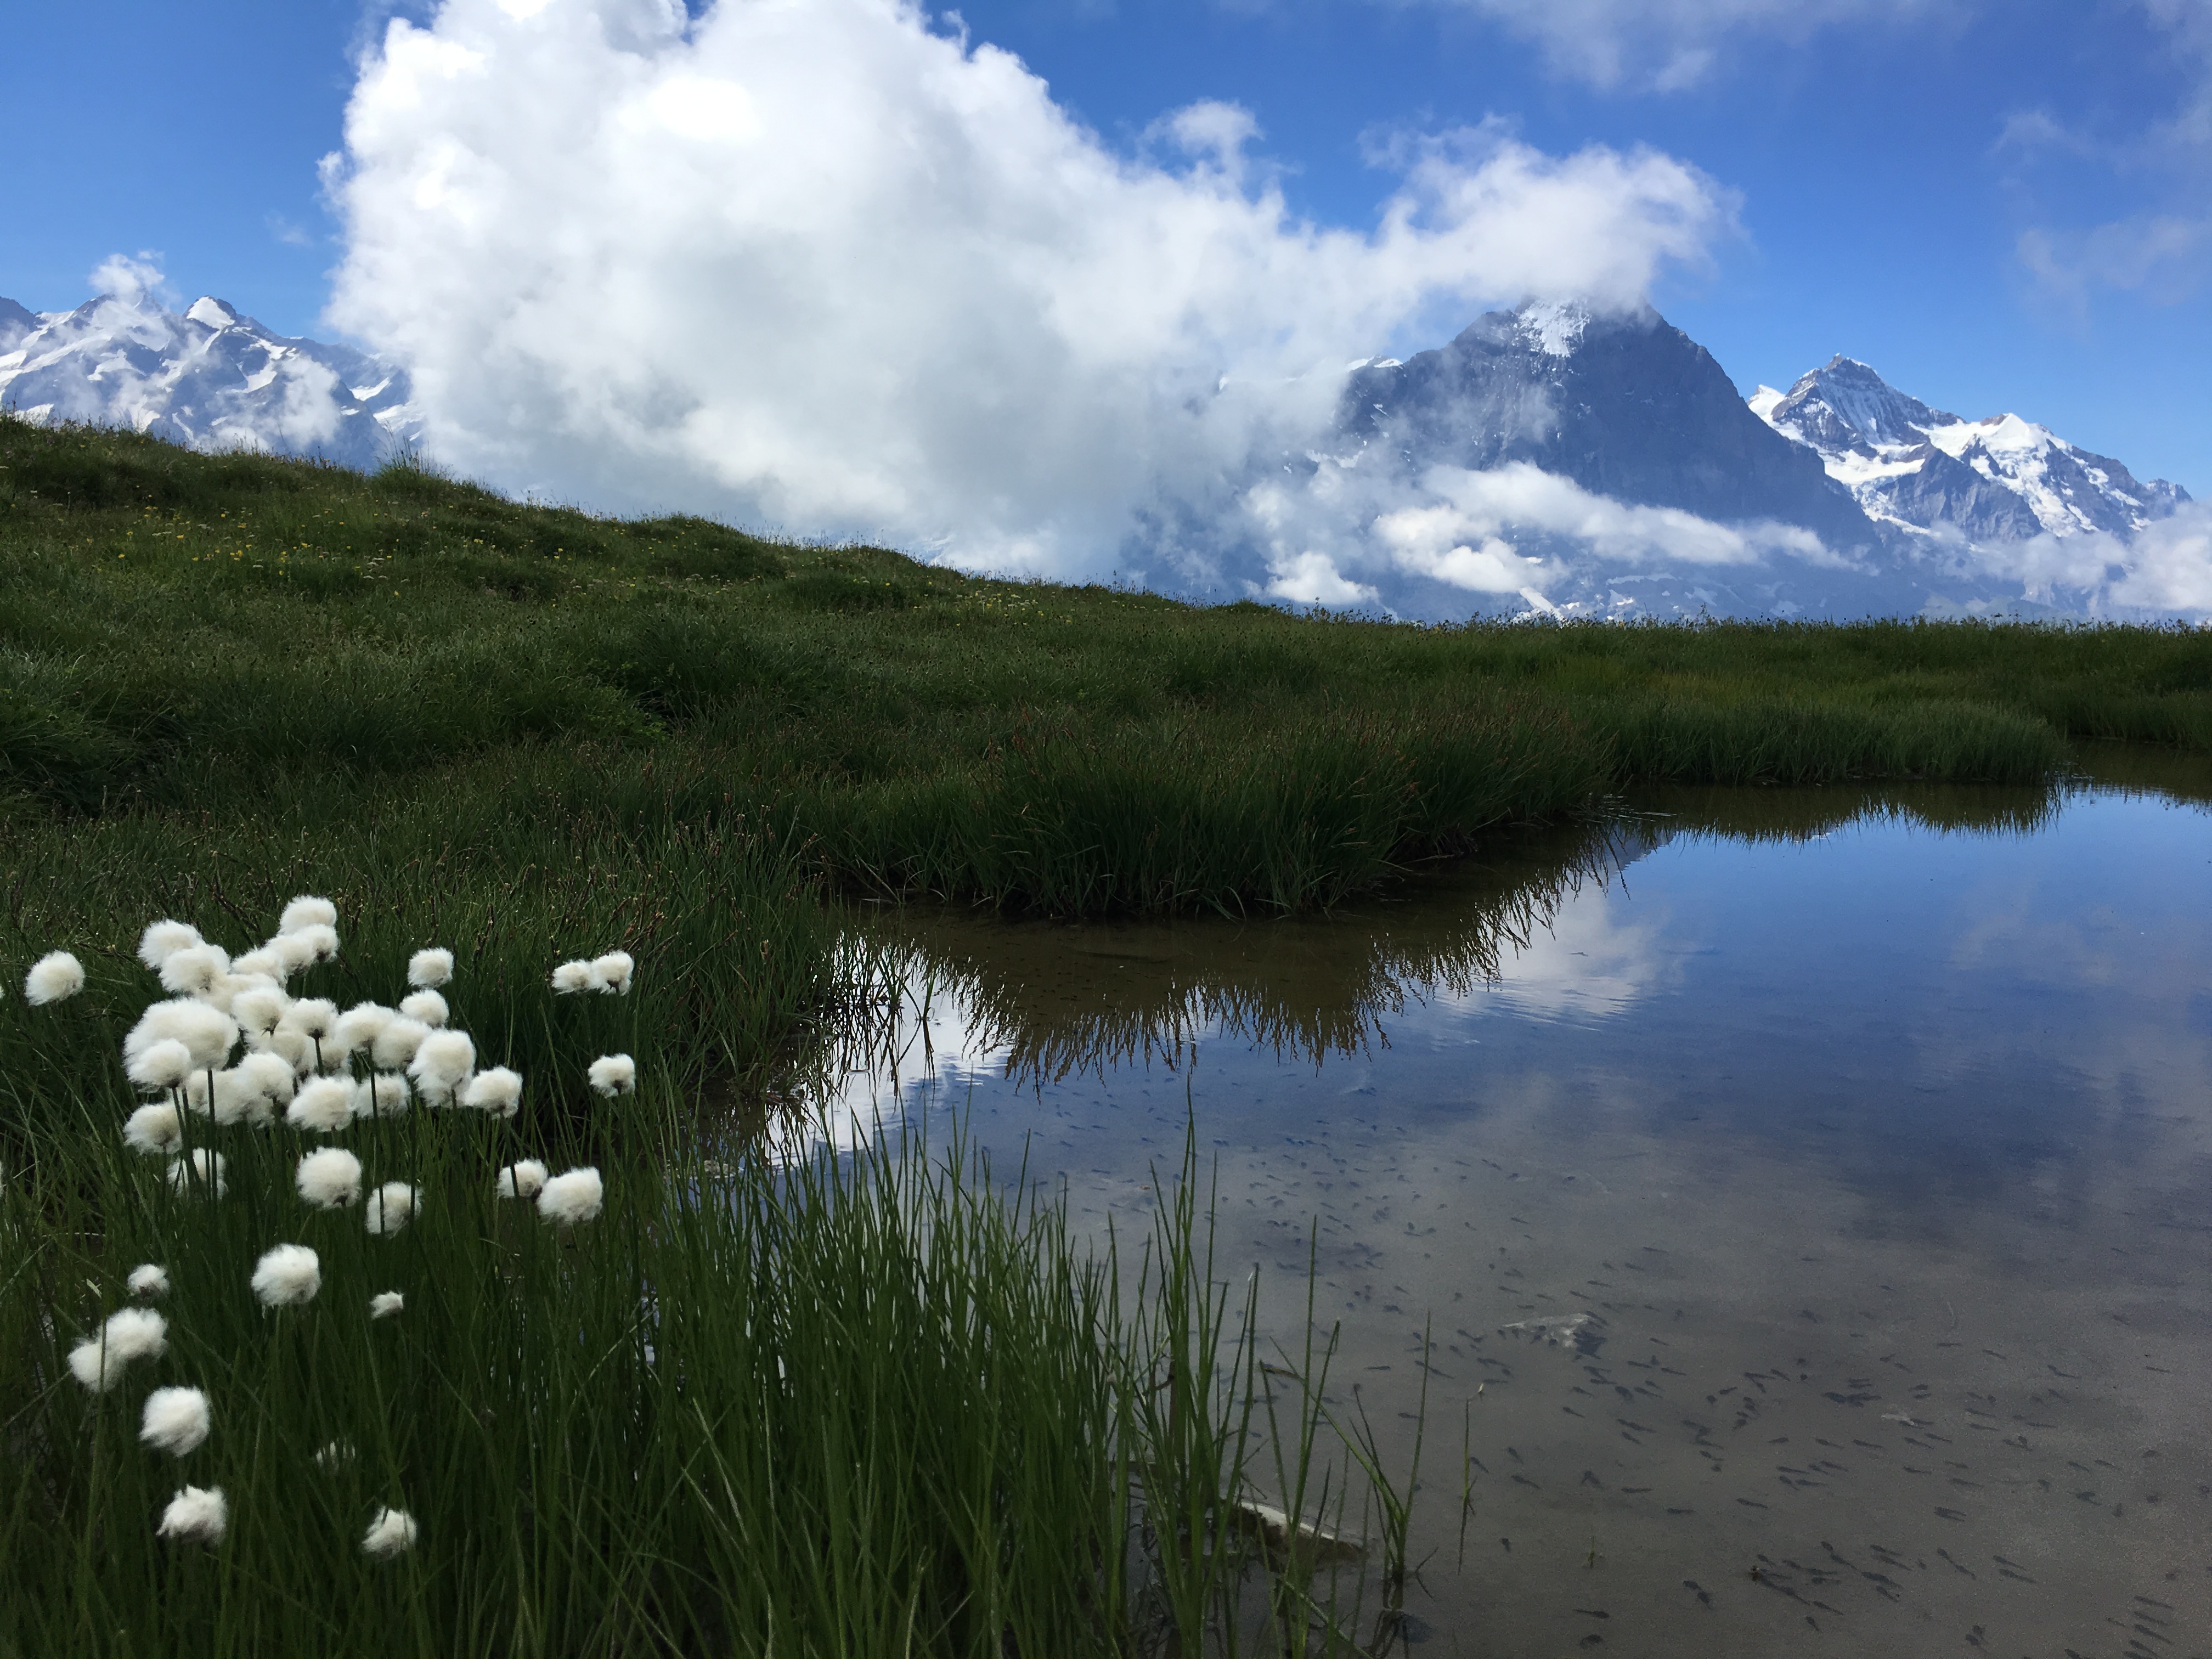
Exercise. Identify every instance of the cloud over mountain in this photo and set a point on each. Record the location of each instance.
(831, 267)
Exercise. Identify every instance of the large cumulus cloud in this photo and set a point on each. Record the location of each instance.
(827, 265)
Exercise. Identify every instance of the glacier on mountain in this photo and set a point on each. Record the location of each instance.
(1928, 472)
(208, 377)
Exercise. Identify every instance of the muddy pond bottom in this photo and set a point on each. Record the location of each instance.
(1806, 1198)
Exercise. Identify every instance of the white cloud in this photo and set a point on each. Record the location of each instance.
(1519, 497)
(2160, 255)
(1512, 538)
(818, 263)
(2170, 564)
(2165, 571)
(1667, 45)
(137, 283)
(1312, 577)
(2163, 250)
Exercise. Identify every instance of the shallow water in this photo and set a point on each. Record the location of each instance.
(1816, 1182)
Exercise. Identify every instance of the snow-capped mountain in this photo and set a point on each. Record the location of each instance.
(1550, 460)
(2001, 479)
(1628, 407)
(207, 377)
(1554, 461)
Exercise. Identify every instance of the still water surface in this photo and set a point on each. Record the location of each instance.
(1811, 1181)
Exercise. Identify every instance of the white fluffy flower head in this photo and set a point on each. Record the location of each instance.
(305, 912)
(323, 1104)
(385, 1094)
(262, 963)
(266, 1078)
(576, 1196)
(54, 977)
(259, 1009)
(288, 1276)
(195, 971)
(390, 1207)
(198, 1514)
(175, 1421)
(397, 1041)
(130, 1334)
(297, 1051)
(163, 940)
(319, 937)
(359, 1027)
(147, 1280)
(208, 1034)
(310, 1017)
(498, 1091)
(390, 1533)
(613, 971)
(328, 1179)
(524, 1178)
(614, 1074)
(220, 1093)
(384, 1303)
(290, 952)
(442, 1062)
(162, 1065)
(155, 1129)
(571, 977)
(426, 1006)
(430, 968)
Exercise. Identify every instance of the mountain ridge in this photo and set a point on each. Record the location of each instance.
(1926, 470)
(209, 377)
(1549, 459)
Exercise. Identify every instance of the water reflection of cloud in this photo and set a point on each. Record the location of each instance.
(1913, 1113)
(1601, 953)
(932, 1039)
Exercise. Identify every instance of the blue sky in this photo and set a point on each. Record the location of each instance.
(2000, 205)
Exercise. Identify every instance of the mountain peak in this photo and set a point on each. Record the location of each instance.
(1555, 327)
(209, 377)
(2002, 478)
(212, 312)
(1625, 406)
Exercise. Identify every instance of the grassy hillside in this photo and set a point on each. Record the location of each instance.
(751, 1408)
(223, 678)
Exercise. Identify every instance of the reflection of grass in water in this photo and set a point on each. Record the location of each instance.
(1310, 989)
(1302, 988)
(1758, 816)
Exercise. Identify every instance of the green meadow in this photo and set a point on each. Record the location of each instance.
(813, 1405)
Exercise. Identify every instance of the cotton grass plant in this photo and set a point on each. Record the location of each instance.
(461, 1369)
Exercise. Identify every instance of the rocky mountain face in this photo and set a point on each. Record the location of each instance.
(2001, 479)
(14, 323)
(207, 377)
(1629, 407)
(1610, 462)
